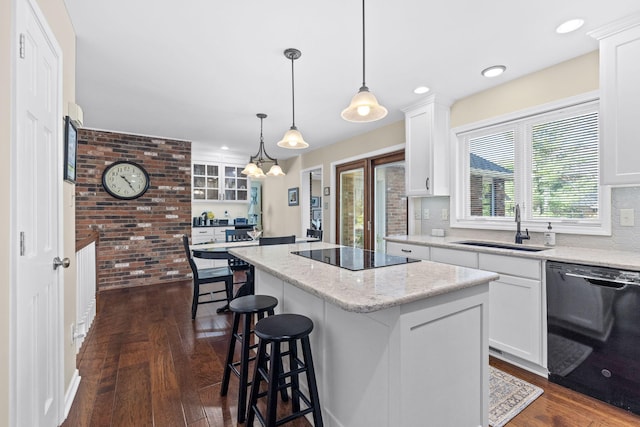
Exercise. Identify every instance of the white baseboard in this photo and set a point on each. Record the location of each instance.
(71, 393)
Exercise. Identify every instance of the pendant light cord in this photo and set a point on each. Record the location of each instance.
(363, 47)
(293, 93)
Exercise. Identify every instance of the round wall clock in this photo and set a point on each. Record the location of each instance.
(125, 180)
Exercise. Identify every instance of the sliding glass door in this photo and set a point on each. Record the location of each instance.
(390, 203)
(371, 201)
(352, 215)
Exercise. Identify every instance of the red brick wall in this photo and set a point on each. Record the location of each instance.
(140, 241)
(396, 201)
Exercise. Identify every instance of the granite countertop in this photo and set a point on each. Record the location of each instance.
(361, 291)
(606, 258)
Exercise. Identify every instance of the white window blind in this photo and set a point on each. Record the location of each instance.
(491, 174)
(565, 167)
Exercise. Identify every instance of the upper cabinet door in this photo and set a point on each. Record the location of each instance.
(619, 101)
(235, 184)
(211, 181)
(427, 147)
(205, 181)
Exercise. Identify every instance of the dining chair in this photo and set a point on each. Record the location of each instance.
(241, 235)
(203, 276)
(279, 240)
(316, 234)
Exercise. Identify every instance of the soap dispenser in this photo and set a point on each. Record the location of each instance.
(549, 236)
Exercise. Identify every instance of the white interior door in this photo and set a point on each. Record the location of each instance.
(36, 173)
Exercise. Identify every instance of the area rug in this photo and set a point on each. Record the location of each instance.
(508, 396)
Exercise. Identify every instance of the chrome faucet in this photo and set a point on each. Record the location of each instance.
(519, 236)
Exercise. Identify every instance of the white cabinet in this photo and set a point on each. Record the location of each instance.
(408, 250)
(220, 233)
(515, 306)
(201, 235)
(427, 147)
(209, 234)
(515, 302)
(619, 101)
(212, 181)
(455, 257)
(393, 366)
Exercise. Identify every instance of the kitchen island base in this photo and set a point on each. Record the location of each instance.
(424, 363)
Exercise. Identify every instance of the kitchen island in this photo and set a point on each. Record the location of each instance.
(397, 345)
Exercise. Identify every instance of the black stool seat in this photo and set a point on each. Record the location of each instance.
(275, 331)
(253, 304)
(244, 307)
(284, 327)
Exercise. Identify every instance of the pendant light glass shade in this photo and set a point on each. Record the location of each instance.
(254, 167)
(293, 138)
(249, 169)
(364, 106)
(258, 173)
(275, 170)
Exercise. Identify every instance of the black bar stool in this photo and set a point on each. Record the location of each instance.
(275, 330)
(244, 307)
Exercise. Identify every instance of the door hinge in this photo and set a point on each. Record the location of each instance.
(22, 46)
(22, 243)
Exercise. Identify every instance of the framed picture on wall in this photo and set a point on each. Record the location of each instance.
(315, 202)
(70, 149)
(293, 197)
(327, 190)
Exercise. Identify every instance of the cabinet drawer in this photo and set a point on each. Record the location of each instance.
(408, 250)
(515, 266)
(220, 233)
(201, 231)
(455, 257)
(201, 235)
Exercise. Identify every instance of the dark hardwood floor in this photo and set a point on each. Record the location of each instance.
(146, 363)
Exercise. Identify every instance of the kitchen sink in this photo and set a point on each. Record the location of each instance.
(501, 246)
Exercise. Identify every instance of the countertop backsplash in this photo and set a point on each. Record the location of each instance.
(622, 238)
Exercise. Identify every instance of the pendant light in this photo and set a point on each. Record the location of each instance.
(292, 138)
(364, 106)
(254, 167)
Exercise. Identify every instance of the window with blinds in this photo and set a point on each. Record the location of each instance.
(565, 167)
(491, 174)
(547, 162)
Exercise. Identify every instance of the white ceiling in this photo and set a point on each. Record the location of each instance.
(200, 70)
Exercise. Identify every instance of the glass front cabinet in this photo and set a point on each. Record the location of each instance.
(218, 182)
(235, 184)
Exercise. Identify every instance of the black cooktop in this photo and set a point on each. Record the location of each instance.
(353, 258)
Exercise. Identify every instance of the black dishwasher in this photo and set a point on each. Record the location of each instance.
(593, 332)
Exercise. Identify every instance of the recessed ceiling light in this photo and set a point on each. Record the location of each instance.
(494, 71)
(224, 147)
(421, 89)
(569, 26)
